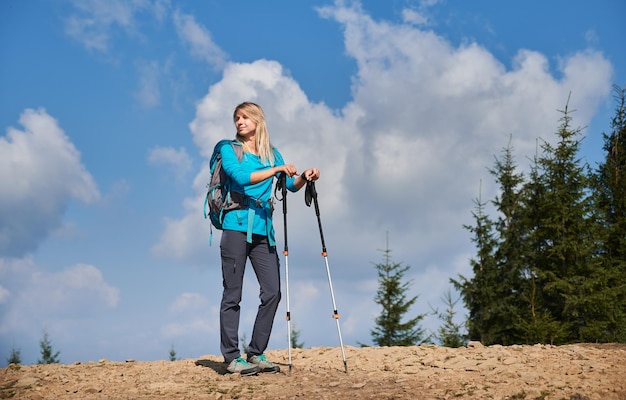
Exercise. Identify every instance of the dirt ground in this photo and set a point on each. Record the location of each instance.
(575, 372)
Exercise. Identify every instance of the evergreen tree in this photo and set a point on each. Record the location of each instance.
(511, 235)
(480, 299)
(172, 353)
(449, 334)
(562, 240)
(244, 343)
(537, 324)
(15, 357)
(609, 183)
(295, 337)
(391, 296)
(493, 295)
(48, 356)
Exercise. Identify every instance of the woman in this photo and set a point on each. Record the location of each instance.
(248, 233)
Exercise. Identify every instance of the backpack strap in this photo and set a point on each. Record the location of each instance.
(252, 204)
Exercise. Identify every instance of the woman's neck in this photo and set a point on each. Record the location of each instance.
(250, 144)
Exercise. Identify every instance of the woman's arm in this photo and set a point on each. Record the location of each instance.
(294, 183)
(260, 176)
(311, 174)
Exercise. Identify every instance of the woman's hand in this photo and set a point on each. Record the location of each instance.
(289, 169)
(311, 174)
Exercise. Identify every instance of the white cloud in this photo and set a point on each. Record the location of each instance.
(149, 94)
(420, 16)
(119, 189)
(406, 155)
(591, 37)
(96, 19)
(40, 172)
(191, 315)
(188, 301)
(199, 40)
(39, 297)
(444, 112)
(414, 17)
(179, 160)
(186, 238)
(4, 294)
(197, 326)
(96, 22)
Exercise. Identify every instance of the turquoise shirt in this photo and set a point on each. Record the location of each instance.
(258, 215)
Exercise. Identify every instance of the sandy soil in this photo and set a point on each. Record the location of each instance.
(575, 372)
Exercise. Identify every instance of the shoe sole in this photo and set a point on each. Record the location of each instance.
(249, 372)
(270, 370)
(246, 372)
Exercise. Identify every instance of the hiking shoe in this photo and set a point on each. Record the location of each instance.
(241, 366)
(264, 366)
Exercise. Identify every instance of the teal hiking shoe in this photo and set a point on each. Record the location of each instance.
(241, 366)
(263, 365)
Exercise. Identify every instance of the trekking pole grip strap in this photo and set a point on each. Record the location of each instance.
(309, 193)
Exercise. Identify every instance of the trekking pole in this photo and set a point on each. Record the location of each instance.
(282, 182)
(311, 194)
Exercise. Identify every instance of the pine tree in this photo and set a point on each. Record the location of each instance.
(609, 183)
(244, 343)
(449, 334)
(562, 241)
(537, 324)
(172, 353)
(511, 235)
(391, 296)
(15, 357)
(48, 356)
(477, 293)
(295, 337)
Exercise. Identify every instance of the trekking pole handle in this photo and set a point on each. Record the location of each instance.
(283, 183)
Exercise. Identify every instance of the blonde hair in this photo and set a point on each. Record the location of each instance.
(263, 144)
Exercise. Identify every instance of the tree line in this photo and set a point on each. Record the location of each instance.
(48, 355)
(550, 265)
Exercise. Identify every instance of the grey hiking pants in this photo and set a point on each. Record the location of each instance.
(264, 259)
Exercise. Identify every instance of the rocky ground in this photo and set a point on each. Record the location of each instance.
(575, 372)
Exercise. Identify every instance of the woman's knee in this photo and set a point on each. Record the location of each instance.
(271, 296)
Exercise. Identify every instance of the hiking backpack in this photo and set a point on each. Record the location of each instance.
(218, 199)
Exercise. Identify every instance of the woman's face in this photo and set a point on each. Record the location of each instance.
(245, 126)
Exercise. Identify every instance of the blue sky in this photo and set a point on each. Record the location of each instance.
(110, 109)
